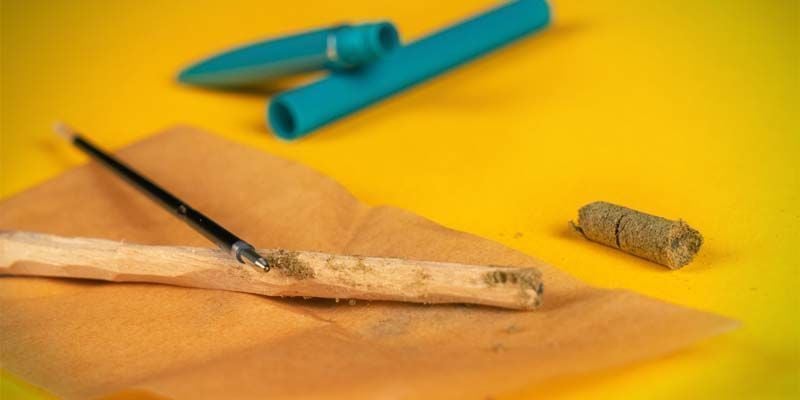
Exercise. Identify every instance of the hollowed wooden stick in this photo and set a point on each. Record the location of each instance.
(294, 273)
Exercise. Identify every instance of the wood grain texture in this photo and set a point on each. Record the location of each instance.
(294, 273)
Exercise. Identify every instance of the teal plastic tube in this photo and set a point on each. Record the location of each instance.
(298, 112)
(339, 47)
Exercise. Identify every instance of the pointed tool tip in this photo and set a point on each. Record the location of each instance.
(263, 264)
(63, 130)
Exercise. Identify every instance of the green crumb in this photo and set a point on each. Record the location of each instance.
(289, 264)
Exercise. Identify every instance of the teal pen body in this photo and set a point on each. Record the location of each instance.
(299, 111)
(338, 47)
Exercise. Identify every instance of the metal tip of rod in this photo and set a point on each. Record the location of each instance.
(246, 254)
(249, 256)
(64, 130)
(262, 263)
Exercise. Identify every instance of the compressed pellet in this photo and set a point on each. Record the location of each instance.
(666, 242)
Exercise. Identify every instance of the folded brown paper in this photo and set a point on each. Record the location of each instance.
(90, 339)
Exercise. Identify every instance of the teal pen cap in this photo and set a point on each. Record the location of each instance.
(339, 47)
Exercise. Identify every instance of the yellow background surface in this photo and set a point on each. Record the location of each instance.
(686, 109)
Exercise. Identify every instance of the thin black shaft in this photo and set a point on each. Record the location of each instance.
(223, 238)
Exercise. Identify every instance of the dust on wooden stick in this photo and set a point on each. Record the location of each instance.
(288, 263)
(293, 273)
(666, 242)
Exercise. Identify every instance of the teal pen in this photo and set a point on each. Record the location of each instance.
(302, 110)
(339, 47)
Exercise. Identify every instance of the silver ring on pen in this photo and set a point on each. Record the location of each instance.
(330, 50)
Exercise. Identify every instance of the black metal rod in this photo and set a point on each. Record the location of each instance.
(227, 241)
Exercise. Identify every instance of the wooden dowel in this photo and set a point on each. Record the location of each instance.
(294, 273)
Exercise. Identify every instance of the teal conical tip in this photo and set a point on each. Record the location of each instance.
(338, 47)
